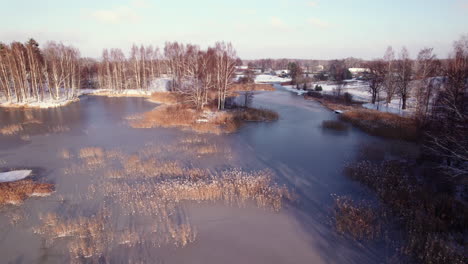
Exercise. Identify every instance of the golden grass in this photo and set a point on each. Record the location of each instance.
(166, 98)
(89, 238)
(58, 129)
(251, 87)
(227, 121)
(91, 152)
(11, 130)
(147, 186)
(65, 154)
(18, 191)
(383, 124)
(257, 115)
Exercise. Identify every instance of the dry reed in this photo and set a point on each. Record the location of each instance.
(18, 191)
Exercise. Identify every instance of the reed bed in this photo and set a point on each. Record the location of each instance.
(234, 187)
(16, 192)
(148, 186)
(11, 129)
(383, 124)
(89, 239)
(359, 220)
(227, 121)
(432, 223)
(166, 97)
(251, 87)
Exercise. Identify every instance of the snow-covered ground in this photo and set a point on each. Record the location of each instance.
(158, 85)
(265, 78)
(360, 92)
(11, 176)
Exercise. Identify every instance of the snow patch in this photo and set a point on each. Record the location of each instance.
(264, 78)
(293, 89)
(11, 176)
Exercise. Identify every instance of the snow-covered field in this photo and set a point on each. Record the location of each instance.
(360, 92)
(264, 78)
(158, 85)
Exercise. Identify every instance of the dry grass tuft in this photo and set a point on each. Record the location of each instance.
(65, 154)
(358, 220)
(91, 152)
(382, 124)
(18, 191)
(257, 115)
(251, 87)
(58, 129)
(11, 130)
(166, 98)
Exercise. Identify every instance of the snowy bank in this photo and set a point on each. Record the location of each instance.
(360, 93)
(157, 85)
(264, 78)
(293, 89)
(11, 176)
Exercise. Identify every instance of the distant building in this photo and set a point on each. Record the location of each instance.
(242, 67)
(356, 71)
(318, 68)
(282, 72)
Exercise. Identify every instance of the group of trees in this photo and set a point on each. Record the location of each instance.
(57, 71)
(117, 72)
(28, 72)
(197, 73)
(440, 90)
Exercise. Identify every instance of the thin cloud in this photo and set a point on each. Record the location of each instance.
(312, 3)
(317, 22)
(119, 14)
(277, 23)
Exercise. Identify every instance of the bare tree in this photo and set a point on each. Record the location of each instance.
(390, 80)
(225, 61)
(427, 68)
(377, 70)
(449, 119)
(404, 70)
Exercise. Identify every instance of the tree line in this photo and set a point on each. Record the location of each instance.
(28, 72)
(57, 71)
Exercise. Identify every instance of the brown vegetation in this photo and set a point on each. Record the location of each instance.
(433, 223)
(148, 185)
(166, 98)
(251, 87)
(383, 124)
(358, 220)
(18, 191)
(11, 130)
(226, 121)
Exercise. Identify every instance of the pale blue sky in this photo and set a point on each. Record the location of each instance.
(310, 29)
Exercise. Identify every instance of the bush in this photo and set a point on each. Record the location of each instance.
(318, 88)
